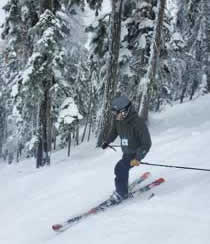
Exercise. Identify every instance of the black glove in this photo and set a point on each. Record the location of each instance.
(104, 145)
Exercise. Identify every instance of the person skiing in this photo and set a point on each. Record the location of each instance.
(135, 143)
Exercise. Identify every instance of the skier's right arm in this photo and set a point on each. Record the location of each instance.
(111, 136)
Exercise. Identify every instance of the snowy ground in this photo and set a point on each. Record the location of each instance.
(32, 200)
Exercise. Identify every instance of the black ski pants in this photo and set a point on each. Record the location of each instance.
(122, 174)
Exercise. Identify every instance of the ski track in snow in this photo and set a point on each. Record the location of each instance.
(32, 199)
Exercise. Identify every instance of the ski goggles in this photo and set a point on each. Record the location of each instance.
(120, 115)
(123, 111)
(115, 112)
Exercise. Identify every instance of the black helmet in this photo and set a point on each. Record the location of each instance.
(120, 104)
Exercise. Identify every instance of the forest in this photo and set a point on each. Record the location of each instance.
(63, 61)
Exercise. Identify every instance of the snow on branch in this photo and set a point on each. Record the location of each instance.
(69, 112)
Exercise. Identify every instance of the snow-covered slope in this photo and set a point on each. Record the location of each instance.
(32, 200)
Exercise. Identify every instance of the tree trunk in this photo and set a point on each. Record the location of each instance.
(46, 4)
(206, 10)
(69, 143)
(87, 120)
(2, 127)
(39, 152)
(90, 128)
(152, 69)
(184, 89)
(45, 123)
(44, 142)
(193, 88)
(77, 132)
(112, 72)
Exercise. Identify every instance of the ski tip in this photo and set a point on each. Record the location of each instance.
(160, 180)
(157, 182)
(57, 227)
(146, 174)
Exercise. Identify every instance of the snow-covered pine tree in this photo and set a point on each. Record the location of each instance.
(150, 79)
(137, 34)
(97, 64)
(2, 108)
(78, 73)
(112, 74)
(33, 82)
(21, 15)
(187, 50)
(206, 23)
(43, 73)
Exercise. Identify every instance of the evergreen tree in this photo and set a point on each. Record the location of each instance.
(137, 48)
(42, 73)
(2, 109)
(21, 16)
(112, 70)
(150, 79)
(206, 23)
(47, 66)
(188, 50)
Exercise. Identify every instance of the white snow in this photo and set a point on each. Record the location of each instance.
(146, 23)
(177, 37)
(142, 42)
(2, 12)
(2, 18)
(69, 111)
(32, 200)
(90, 18)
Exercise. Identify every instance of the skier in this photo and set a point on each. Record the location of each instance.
(135, 143)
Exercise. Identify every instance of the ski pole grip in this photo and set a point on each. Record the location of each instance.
(134, 162)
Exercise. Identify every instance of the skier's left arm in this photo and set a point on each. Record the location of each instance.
(144, 139)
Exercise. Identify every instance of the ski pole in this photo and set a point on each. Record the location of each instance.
(112, 148)
(115, 145)
(165, 165)
(174, 166)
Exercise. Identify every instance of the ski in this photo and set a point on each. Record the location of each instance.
(65, 225)
(138, 181)
(148, 186)
(106, 204)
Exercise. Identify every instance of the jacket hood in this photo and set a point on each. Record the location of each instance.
(131, 115)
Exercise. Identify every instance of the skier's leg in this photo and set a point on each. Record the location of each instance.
(122, 174)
